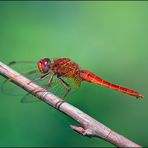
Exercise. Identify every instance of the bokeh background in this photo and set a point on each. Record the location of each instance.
(107, 38)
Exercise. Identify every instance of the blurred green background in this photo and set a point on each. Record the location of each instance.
(107, 38)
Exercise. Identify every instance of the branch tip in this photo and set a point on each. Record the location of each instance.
(78, 129)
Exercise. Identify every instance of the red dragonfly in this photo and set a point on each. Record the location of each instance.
(65, 68)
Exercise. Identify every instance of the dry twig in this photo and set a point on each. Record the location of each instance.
(88, 125)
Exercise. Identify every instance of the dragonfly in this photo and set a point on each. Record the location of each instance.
(65, 68)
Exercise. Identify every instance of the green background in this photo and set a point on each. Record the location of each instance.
(107, 38)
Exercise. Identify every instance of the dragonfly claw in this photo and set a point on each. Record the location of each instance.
(59, 103)
(29, 82)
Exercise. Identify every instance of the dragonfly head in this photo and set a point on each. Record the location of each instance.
(44, 65)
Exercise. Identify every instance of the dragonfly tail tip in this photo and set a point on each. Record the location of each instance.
(140, 96)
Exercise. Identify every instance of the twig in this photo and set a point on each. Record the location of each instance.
(88, 126)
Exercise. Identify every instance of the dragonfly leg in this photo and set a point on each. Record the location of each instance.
(47, 85)
(49, 82)
(43, 77)
(66, 85)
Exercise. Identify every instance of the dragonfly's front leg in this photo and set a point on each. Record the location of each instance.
(47, 85)
(43, 77)
(49, 82)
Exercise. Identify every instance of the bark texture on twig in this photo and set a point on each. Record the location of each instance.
(88, 125)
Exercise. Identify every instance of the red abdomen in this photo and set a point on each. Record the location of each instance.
(90, 77)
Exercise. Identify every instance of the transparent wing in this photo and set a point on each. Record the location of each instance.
(26, 68)
(23, 66)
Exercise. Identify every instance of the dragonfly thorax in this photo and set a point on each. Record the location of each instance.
(44, 65)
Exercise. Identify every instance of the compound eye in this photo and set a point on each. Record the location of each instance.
(44, 65)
